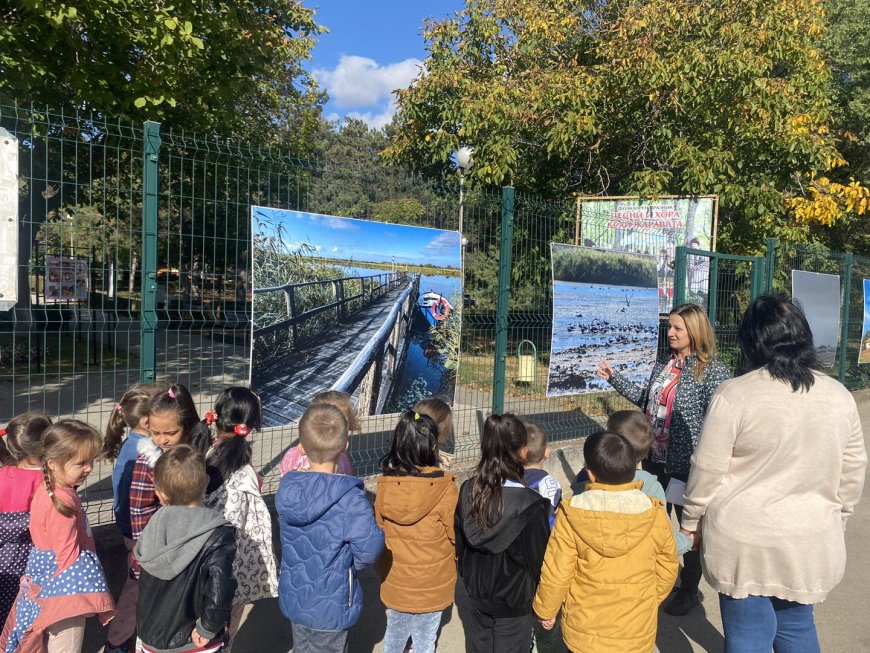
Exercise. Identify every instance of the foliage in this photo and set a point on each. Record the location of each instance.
(446, 338)
(638, 97)
(229, 68)
(594, 266)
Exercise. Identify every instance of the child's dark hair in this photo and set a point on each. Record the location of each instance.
(23, 439)
(344, 403)
(536, 443)
(237, 413)
(66, 440)
(414, 445)
(500, 460)
(134, 405)
(180, 475)
(175, 398)
(610, 457)
(634, 426)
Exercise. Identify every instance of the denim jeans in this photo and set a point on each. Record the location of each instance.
(311, 640)
(758, 623)
(421, 628)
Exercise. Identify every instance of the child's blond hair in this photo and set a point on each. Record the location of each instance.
(65, 441)
(180, 476)
(439, 412)
(536, 443)
(634, 426)
(323, 433)
(344, 403)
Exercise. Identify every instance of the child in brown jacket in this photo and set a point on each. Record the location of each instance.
(415, 506)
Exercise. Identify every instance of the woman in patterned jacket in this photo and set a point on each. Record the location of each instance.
(675, 401)
(234, 491)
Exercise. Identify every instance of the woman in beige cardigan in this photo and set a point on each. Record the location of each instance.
(776, 474)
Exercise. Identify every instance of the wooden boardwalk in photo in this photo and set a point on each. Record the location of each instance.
(287, 383)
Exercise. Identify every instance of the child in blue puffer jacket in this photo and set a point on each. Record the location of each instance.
(328, 533)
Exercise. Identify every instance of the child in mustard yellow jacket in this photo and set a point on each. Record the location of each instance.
(623, 540)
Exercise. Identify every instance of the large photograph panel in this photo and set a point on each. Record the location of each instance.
(605, 306)
(819, 297)
(363, 307)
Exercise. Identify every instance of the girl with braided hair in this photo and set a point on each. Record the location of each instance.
(20, 476)
(234, 491)
(63, 582)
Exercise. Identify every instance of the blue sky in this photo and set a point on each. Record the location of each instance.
(371, 49)
(361, 240)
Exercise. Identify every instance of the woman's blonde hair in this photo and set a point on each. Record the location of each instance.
(66, 440)
(700, 334)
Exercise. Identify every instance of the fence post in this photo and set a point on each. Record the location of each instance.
(504, 288)
(844, 321)
(680, 266)
(150, 200)
(759, 277)
(713, 293)
(769, 263)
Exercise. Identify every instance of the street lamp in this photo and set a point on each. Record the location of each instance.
(464, 159)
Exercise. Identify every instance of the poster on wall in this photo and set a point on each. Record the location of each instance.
(66, 279)
(819, 297)
(362, 307)
(864, 351)
(656, 228)
(9, 192)
(605, 306)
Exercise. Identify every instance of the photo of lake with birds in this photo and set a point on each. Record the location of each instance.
(605, 306)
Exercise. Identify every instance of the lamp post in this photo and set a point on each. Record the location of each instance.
(464, 159)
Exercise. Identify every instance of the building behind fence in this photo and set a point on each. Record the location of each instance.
(163, 222)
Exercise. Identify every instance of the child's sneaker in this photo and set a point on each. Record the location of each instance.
(122, 648)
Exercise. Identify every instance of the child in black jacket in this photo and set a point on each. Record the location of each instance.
(186, 553)
(502, 529)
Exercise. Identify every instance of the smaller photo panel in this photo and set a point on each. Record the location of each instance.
(819, 297)
(605, 307)
(864, 353)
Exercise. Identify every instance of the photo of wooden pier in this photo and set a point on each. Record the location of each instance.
(330, 314)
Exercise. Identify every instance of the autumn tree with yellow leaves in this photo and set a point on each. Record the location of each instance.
(645, 97)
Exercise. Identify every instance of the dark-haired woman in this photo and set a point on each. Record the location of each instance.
(415, 507)
(675, 401)
(776, 475)
(501, 536)
(234, 491)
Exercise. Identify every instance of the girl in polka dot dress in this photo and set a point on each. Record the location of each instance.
(234, 491)
(20, 475)
(63, 582)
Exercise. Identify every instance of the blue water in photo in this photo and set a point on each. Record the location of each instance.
(424, 373)
(593, 322)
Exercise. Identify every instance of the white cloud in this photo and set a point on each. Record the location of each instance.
(361, 82)
(333, 250)
(364, 89)
(337, 224)
(444, 243)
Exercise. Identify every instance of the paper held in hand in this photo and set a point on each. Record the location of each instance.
(675, 492)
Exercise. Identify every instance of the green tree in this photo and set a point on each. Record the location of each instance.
(227, 68)
(639, 97)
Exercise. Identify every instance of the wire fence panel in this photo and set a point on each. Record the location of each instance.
(119, 281)
(852, 271)
(70, 346)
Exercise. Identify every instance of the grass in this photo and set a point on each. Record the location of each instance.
(61, 353)
(476, 371)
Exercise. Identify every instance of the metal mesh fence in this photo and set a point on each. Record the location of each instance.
(851, 363)
(97, 312)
